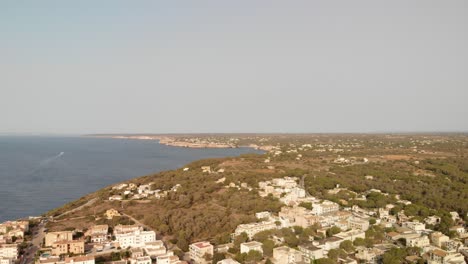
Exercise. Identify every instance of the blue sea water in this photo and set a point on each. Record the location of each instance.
(38, 174)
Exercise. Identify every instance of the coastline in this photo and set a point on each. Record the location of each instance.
(189, 142)
(117, 180)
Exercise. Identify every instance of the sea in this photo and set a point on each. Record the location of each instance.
(38, 174)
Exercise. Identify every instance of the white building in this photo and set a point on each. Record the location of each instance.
(141, 260)
(286, 255)
(324, 207)
(80, 260)
(6, 261)
(199, 250)
(311, 252)
(254, 228)
(422, 241)
(135, 239)
(414, 225)
(155, 248)
(9, 251)
(252, 245)
(227, 261)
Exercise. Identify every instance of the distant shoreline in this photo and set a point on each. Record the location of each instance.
(183, 142)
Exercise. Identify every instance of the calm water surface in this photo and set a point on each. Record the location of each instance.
(38, 174)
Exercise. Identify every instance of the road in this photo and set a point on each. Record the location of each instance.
(36, 243)
(137, 222)
(90, 202)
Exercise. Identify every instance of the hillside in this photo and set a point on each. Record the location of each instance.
(189, 204)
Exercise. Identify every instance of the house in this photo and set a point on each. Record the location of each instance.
(330, 243)
(438, 239)
(111, 213)
(414, 225)
(67, 247)
(286, 255)
(438, 256)
(351, 235)
(311, 252)
(168, 258)
(98, 238)
(199, 250)
(252, 245)
(98, 230)
(369, 255)
(459, 229)
(53, 237)
(422, 241)
(358, 223)
(136, 253)
(155, 248)
(80, 260)
(432, 220)
(263, 215)
(115, 198)
(206, 169)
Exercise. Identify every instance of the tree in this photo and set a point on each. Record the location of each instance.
(324, 261)
(333, 231)
(394, 256)
(306, 205)
(347, 246)
(359, 242)
(218, 257)
(253, 256)
(267, 247)
(372, 221)
(336, 253)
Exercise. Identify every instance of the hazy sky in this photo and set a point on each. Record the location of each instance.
(233, 66)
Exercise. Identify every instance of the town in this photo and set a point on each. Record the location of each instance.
(304, 204)
(348, 232)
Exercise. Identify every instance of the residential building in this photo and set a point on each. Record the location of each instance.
(80, 260)
(286, 255)
(422, 241)
(198, 251)
(141, 260)
(438, 256)
(53, 237)
(311, 252)
(351, 234)
(6, 261)
(252, 245)
(111, 213)
(324, 207)
(135, 239)
(98, 230)
(9, 251)
(438, 239)
(358, 223)
(369, 255)
(254, 228)
(67, 247)
(120, 229)
(155, 248)
(414, 225)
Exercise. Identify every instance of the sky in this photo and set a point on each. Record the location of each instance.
(110, 66)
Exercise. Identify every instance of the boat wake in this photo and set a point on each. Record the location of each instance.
(49, 160)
